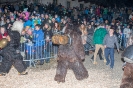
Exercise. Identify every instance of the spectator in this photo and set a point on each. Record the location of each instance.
(108, 42)
(56, 29)
(38, 39)
(98, 37)
(3, 32)
(83, 30)
(29, 47)
(2, 21)
(126, 33)
(48, 36)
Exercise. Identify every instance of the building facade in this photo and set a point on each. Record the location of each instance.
(65, 3)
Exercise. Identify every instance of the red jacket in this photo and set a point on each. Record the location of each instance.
(5, 34)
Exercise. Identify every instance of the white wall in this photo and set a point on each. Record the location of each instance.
(64, 2)
(47, 1)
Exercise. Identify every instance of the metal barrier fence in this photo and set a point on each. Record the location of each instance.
(40, 51)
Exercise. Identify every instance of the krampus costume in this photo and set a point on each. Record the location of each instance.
(71, 56)
(127, 79)
(10, 53)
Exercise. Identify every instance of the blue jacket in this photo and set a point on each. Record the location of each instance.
(38, 37)
(27, 23)
(58, 19)
(29, 48)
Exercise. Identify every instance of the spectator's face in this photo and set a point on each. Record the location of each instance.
(2, 30)
(64, 21)
(53, 19)
(56, 16)
(46, 26)
(42, 15)
(82, 26)
(2, 18)
(32, 17)
(12, 19)
(7, 20)
(6, 10)
(29, 32)
(111, 31)
(85, 22)
(106, 21)
(37, 28)
(46, 16)
(89, 26)
(92, 23)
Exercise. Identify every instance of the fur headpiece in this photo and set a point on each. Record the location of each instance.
(17, 26)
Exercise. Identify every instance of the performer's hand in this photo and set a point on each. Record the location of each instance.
(105, 46)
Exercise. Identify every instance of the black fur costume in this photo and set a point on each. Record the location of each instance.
(71, 56)
(11, 56)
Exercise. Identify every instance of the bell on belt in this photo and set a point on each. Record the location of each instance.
(60, 39)
(3, 43)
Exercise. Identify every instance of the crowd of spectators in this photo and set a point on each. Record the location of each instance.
(42, 21)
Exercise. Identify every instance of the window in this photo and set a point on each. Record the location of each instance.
(55, 2)
(68, 4)
(81, 6)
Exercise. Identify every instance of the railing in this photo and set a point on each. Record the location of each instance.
(38, 51)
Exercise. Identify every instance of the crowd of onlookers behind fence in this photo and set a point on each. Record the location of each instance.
(42, 21)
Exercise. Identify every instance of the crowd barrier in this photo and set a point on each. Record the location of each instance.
(33, 52)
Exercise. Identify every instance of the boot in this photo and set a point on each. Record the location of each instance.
(95, 62)
(23, 73)
(2, 74)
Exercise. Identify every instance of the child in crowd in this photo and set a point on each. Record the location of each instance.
(38, 40)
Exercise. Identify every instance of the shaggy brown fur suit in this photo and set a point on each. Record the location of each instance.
(71, 56)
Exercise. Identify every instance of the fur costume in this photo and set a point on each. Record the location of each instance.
(71, 56)
(10, 53)
(130, 40)
(17, 26)
(127, 79)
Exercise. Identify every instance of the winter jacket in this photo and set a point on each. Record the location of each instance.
(38, 37)
(99, 35)
(58, 19)
(29, 48)
(27, 23)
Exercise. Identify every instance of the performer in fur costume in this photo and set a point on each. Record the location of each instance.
(71, 56)
(10, 52)
(127, 79)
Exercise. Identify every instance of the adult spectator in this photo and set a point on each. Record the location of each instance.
(98, 37)
(108, 42)
(48, 35)
(126, 33)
